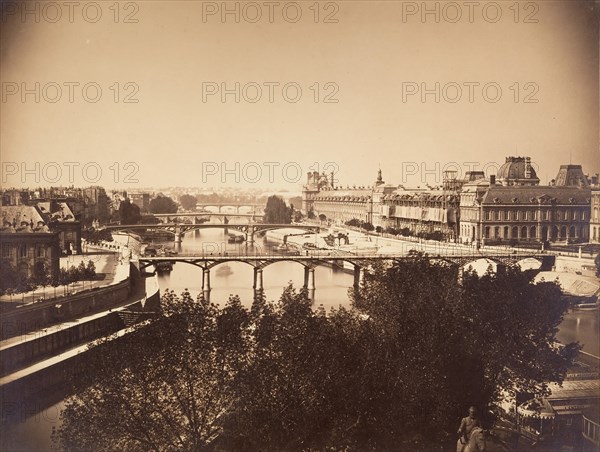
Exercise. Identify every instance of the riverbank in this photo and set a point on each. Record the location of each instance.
(33, 396)
(110, 269)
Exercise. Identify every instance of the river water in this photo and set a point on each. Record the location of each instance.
(331, 284)
(33, 434)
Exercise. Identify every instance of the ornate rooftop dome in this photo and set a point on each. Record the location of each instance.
(517, 171)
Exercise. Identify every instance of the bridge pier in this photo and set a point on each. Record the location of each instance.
(356, 284)
(258, 281)
(311, 284)
(206, 284)
(178, 238)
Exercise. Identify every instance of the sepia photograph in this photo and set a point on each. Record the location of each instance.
(351, 225)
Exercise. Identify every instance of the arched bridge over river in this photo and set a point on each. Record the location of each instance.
(312, 259)
(180, 229)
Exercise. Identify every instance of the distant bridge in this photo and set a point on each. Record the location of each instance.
(235, 205)
(167, 217)
(180, 229)
(314, 258)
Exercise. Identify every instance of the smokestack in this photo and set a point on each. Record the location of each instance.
(492, 180)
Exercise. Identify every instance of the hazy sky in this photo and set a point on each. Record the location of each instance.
(345, 78)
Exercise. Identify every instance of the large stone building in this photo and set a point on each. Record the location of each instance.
(61, 219)
(510, 206)
(140, 199)
(339, 205)
(55, 216)
(87, 204)
(427, 210)
(27, 246)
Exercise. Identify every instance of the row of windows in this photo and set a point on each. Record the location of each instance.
(532, 215)
(23, 249)
(530, 232)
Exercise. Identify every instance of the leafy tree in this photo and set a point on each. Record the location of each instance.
(188, 202)
(406, 232)
(395, 372)
(447, 345)
(9, 278)
(354, 222)
(378, 229)
(290, 393)
(367, 226)
(162, 204)
(163, 387)
(322, 217)
(311, 215)
(90, 270)
(12, 281)
(297, 216)
(129, 213)
(277, 212)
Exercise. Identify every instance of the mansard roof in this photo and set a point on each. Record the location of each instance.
(498, 194)
(351, 195)
(425, 196)
(22, 213)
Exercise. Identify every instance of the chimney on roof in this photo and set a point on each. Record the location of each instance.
(492, 180)
(527, 168)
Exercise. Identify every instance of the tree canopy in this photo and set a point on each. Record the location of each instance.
(129, 213)
(188, 202)
(277, 211)
(162, 204)
(396, 371)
